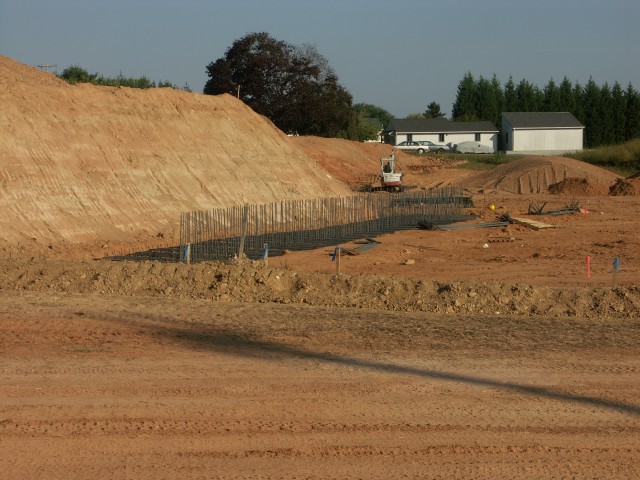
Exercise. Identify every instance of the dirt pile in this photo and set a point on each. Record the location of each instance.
(578, 186)
(253, 282)
(82, 163)
(625, 187)
(536, 174)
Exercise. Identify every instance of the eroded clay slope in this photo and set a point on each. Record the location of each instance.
(80, 163)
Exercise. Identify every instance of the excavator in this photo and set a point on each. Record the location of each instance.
(390, 176)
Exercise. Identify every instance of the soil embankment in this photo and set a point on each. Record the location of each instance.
(83, 164)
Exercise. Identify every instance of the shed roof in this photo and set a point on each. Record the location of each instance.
(537, 120)
(437, 125)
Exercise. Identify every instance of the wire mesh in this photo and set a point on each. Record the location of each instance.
(219, 234)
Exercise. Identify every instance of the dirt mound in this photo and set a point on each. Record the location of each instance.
(358, 163)
(252, 282)
(578, 186)
(626, 187)
(536, 174)
(82, 163)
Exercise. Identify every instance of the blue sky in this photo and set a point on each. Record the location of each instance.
(400, 55)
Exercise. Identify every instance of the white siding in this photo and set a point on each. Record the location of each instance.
(553, 140)
(490, 139)
(507, 135)
(432, 137)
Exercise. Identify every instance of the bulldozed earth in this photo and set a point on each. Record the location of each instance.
(475, 352)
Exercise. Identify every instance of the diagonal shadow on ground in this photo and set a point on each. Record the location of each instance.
(229, 342)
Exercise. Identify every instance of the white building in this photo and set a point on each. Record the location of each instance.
(541, 132)
(440, 130)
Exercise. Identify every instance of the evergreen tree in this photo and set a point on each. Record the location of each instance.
(592, 110)
(551, 101)
(619, 116)
(607, 128)
(566, 97)
(499, 99)
(632, 128)
(510, 96)
(578, 109)
(528, 96)
(486, 101)
(464, 107)
(433, 111)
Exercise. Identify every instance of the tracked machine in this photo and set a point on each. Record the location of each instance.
(390, 175)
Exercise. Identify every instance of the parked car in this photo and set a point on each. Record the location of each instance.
(472, 147)
(435, 147)
(408, 146)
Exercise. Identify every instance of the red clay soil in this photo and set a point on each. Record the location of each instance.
(536, 174)
(628, 186)
(474, 353)
(578, 186)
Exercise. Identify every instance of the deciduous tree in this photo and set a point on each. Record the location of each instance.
(293, 86)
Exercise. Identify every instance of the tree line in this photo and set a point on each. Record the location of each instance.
(77, 74)
(610, 114)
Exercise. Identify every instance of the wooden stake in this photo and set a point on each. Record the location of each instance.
(245, 223)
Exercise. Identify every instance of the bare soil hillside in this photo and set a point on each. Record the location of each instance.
(81, 163)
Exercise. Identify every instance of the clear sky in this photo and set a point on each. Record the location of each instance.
(400, 55)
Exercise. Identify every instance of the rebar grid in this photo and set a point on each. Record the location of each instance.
(220, 234)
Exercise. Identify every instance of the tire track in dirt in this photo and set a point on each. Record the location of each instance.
(203, 389)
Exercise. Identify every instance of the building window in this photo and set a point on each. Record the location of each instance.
(478, 137)
(441, 137)
(409, 137)
(506, 138)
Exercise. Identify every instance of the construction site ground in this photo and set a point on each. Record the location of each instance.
(472, 353)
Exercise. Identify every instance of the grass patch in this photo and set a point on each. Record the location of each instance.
(623, 159)
(475, 161)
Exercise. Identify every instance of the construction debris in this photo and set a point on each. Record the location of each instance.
(500, 239)
(535, 225)
(433, 226)
(573, 207)
(368, 244)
